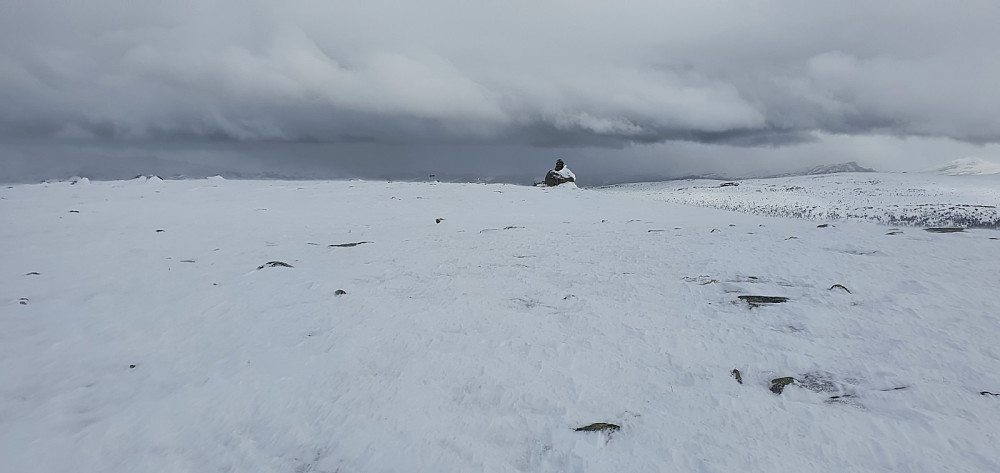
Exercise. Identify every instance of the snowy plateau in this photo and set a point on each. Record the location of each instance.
(351, 326)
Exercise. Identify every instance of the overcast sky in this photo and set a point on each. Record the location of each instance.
(387, 88)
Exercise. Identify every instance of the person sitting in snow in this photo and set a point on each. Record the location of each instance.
(560, 175)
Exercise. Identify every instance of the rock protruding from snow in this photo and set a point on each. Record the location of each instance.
(560, 175)
(275, 264)
(778, 384)
(348, 245)
(599, 427)
(754, 301)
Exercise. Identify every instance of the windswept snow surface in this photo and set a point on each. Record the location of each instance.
(480, 342)
(890, 199)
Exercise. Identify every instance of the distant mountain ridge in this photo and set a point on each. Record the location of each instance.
(966, 167)
(835, 168)
(851, 166)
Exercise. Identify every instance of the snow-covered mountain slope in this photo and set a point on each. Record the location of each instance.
(144, 331)
(830, 169)
(812, 171)
(835, 168)
(966, 167)
(890, 199)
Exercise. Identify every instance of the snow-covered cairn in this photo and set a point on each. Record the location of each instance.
(560, 175)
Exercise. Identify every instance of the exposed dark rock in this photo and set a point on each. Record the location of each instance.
(778, 384)
(33, 273)
(23, 301)
(652, 231)
(553, 178)
(729, 184)
(438, 220)
(187, 261)
(274, 264)
(599, 427)
(74, 211)
(894, 232)
(348, 245)
(160, 230)
(339, 292)
(131, 366)
(823, 225)
(715, 230)
(792, 238)
(987, 393)
(897, 388)
(839, 286)
(944, 229)
(754, 301)
(736, 374)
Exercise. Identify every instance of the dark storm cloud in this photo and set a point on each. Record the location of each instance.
(550, 73)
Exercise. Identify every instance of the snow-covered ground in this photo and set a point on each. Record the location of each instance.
(890, 199)
(139, 334)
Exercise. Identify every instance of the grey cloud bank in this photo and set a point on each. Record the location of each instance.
(672, 87)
